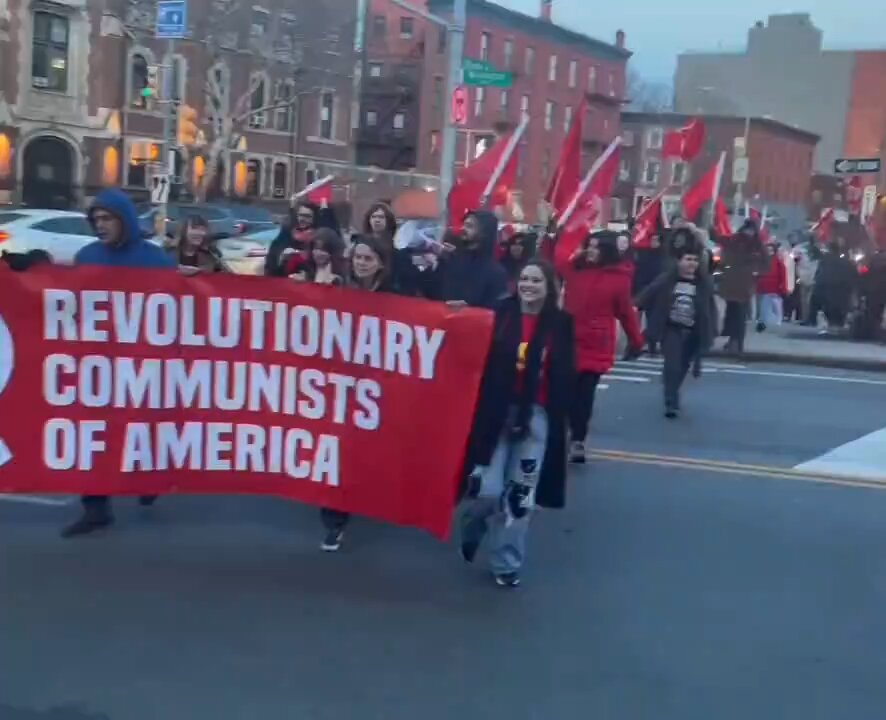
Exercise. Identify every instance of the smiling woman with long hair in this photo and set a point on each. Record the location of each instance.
(193, 252)
(517, 448)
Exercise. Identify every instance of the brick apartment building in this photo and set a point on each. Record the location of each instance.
(780, 163)
(786, 73)
(73, 118)
(553, 69)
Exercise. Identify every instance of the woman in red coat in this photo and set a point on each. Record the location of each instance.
(598, 292)
(772, 288)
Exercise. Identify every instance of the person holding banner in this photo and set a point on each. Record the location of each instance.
(290, 251)
(192, 253)
(120, 244)
(369, 271)
(327, 264)
(517, 447)
(598, 293)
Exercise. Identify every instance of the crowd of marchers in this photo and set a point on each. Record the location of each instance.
(556, 313)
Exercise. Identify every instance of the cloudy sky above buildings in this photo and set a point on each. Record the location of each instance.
(660, 29)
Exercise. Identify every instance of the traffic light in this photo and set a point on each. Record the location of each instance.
(187, 126)
(151, 90)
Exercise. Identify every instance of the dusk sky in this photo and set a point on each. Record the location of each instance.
(658, 30)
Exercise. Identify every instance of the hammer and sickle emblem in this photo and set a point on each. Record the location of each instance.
(7, 363)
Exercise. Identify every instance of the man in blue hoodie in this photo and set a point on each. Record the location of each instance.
(120, 244)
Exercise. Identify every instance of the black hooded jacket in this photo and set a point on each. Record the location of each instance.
(473, 275)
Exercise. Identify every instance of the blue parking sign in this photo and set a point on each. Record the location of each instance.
(172, 19)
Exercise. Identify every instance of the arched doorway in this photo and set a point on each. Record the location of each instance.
(48, 174)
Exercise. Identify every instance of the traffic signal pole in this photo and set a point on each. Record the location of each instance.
(169, 130)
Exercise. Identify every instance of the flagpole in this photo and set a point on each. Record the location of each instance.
(586, 183)
(504, 160)
(764, 218)
(720, 166)
(313, 186)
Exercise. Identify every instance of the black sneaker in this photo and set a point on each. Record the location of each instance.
(761, 327)
(87, 525)
(468, 551)
(147, 500)
(508, 580)
(578, 453)
(671, 413)
(332, 542)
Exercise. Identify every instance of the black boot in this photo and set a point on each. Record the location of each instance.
(147, 500)
(92, 521)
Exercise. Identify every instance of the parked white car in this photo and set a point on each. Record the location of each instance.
(245, 254)
(61, 234)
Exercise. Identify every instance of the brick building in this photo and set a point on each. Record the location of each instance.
(391, 90)
(780, 162)
(786, 73)
(553, 69)
(73, 118)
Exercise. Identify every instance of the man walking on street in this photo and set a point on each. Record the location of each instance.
(120, 244)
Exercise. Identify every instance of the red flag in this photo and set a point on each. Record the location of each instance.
(702, 192)
(567, 177)
(722, 225)
(823, 227)
(322, 195)
(590, 207)
(467, 192)
(646, 223)
(685, 143)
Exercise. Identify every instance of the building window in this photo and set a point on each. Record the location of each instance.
(654, 139)
(399, 120)
(438, 93)
(253, 178)
(624, 169)
(485, 42)
(327, 115)
(261, 20)
(49, 62)
(530, 61)
(627, 138)
(504, 102)
(573, 73)
(371, 118)
(141, 154)
(407, 28)
(567, 118)
(435, 142)
(678, 173)
(549, 115)
(280, 173)
(552, 69)
(524, 105)
(138, 73)
(546, 164)
(379, 27)
(509, 53)
(651, 172)
(479, 97)
(592, 78)
(258, 117)
(611, 84)
(441, 39)
(285, 100)
(375, 70)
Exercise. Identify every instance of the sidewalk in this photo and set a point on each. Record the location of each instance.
(791, 343)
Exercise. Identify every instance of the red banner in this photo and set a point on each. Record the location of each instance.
(118, 382)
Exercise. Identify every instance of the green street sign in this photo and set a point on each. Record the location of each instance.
(481, 74)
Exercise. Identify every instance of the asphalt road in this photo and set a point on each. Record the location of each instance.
(666, 591)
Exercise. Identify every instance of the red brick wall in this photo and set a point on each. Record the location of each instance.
(866, 118)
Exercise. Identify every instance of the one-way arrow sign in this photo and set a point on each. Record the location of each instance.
(856, 166)
(160, 189)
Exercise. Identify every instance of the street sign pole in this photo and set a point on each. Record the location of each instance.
(447, 151)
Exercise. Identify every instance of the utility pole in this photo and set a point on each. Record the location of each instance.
(456, 45)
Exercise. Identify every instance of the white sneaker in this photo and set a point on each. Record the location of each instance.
(578, 453)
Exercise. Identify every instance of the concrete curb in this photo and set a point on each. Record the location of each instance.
(838, 363)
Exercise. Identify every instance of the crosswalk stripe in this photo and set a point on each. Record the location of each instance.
(627, 378)
(804, 376)
(638, 371)
(657, 362)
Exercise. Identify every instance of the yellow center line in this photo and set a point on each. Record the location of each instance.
(735, 468)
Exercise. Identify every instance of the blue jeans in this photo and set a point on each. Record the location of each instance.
(487, 514)
(770, 310)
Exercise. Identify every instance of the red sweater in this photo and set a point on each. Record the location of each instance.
(775, 281)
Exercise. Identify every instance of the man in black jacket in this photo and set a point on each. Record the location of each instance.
(469, 274)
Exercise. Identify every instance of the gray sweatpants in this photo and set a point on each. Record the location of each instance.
(486, 514)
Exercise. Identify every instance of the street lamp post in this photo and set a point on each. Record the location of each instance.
(456, 44)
